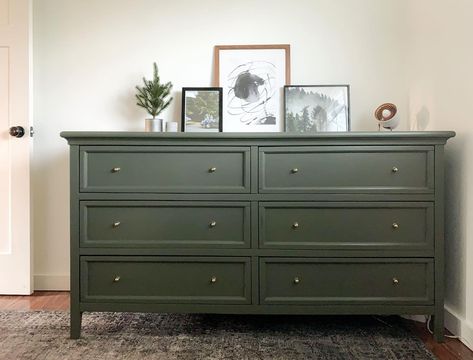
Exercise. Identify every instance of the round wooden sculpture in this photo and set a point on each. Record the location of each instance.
(385, 112)
(386, 116)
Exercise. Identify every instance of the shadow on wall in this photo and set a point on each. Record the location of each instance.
(51, 206)
(455, 223)
(422, 119)
(176, 109)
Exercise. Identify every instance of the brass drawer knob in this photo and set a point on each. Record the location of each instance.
(395, 226)
(395, 281)
(294, 171)
(212, 169)
(116, 224)
(395, 169)
(213, 279)
(116, 279)
(297, 280)
(213, 224)
(116, 169)
(295, 225)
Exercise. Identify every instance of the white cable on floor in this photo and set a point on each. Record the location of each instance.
(429, 319)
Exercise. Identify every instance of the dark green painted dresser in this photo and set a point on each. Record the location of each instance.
(335, 223)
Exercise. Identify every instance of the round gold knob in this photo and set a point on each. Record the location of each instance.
(213, 279)
(395, 226)
(297, 280)
(395, 281)
(116, 224)
(294, 171)
(116, 169)
(395, 169)
(213, 169)
(213, 224)
(116, 279)
(295, 225)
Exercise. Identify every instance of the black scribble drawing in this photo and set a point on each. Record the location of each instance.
(314, 111)
(251, 89)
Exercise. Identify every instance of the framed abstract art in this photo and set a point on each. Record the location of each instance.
(252, 78)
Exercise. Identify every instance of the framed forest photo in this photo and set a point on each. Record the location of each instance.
(201, 109)
(317, 108)
(252, 78)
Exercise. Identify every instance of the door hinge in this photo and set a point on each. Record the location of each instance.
(31, 131)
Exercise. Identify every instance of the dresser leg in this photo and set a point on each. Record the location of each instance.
(76, 323)
(437, 320)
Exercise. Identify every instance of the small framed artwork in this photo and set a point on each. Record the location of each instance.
(201, 109)
(317, 108)
(252, 78)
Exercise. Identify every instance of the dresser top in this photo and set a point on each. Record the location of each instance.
(259, 135)
(325, 138)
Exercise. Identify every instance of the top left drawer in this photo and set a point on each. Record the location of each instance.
(165, 169)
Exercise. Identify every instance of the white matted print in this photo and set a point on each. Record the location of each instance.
(252, 78)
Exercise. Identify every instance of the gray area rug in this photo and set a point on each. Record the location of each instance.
(44, 335)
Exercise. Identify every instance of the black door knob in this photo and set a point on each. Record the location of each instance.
(17, 131)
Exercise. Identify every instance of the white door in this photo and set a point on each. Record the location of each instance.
(15, 109)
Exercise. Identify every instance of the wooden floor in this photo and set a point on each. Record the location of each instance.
(451, 349)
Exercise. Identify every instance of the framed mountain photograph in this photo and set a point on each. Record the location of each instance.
(317, 108)
(201, 109)
(252, 78)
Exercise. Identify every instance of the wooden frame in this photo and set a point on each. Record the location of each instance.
(252, 77)
(218, 48)
(348, 120)
(220, 110)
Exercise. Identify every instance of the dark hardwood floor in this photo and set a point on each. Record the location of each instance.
(40, 300)
(451, 349)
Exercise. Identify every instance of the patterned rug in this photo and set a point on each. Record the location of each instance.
(44, 335)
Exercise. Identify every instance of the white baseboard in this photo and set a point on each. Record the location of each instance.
(459, 326)
(51, 282)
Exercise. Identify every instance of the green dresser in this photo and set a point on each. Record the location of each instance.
(334, 223)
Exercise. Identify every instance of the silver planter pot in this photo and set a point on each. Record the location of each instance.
(153, 125)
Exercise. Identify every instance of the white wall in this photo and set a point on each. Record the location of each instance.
(441, 82)
(89, 55)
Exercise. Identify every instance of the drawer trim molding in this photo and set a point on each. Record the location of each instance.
(429, 176)
(218, 299)
(383, 247)
(428, 299)
(170, 243)
(86, 151)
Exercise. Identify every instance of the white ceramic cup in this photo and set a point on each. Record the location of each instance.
(171, 126)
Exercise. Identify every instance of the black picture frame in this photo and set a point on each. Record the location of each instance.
(311, 96)
(185, 127)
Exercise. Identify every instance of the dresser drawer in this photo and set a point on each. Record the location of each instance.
(346, 281)
(173, 279)
(170, 224)
(347, 225)
(169, 169)
(394, 169)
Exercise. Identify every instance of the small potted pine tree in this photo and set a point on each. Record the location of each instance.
(154, 98)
